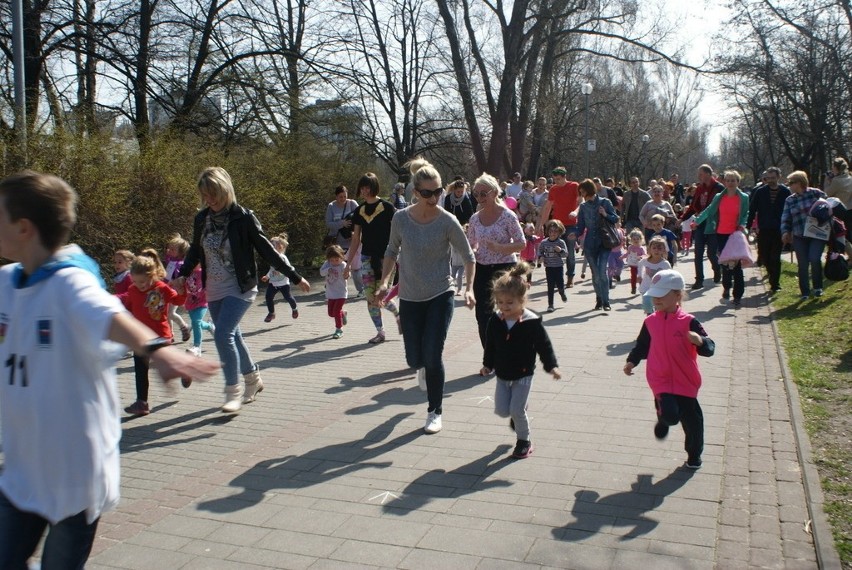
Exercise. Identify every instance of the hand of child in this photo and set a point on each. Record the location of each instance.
(628, 368)
(695, 338)
(558, 249)
(265, 279)
(485, 371)
(556, 374)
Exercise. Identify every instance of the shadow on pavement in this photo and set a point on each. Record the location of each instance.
(348, 383)
(315, 467)
(410, 394)
(623, 509)
(463, 480)
(152, 435)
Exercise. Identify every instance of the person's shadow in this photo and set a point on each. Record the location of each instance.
(463, 480)
(622, 509)
(312, 468)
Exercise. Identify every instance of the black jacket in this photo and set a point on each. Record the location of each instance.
(768, 213)
(246, 236)
(511, 353)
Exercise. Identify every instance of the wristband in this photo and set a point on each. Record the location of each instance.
(156, 344)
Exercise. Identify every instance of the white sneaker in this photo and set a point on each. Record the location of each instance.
(233, 399)
(194, 350)
(433, 423)
(421, 378)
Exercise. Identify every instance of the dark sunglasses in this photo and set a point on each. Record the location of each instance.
(430, 193)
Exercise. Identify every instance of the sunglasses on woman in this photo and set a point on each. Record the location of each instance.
(481, 193)
(430, 193)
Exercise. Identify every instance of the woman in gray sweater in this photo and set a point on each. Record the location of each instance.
(425, 232)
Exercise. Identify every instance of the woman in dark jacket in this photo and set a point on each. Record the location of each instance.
(224, 238)
(458, 202)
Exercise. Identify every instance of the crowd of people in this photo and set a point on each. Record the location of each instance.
(409, 255)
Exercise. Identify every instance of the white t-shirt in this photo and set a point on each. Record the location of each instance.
(59, 404)
(647, 270)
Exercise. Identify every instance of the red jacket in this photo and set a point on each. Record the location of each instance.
(151, 307)
(702, 198)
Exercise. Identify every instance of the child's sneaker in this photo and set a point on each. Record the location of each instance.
(185, 381)
(295, 313)
(337, 333)
(138, 408)
(550, 309)
(194, 350)
(693, 463)
(582, 275)
(269, 318)
(184, 333)
(523, 449)
(378, 339)
(661, 430)
(633, 290)
(344, 318)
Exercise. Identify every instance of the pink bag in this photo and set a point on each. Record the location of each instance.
(737, 249)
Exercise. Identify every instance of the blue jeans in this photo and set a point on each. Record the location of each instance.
(67, 545)
(233, 352)
(571, 261)
(809, 256)
(424, 331)
(598, 259)
(702, 241)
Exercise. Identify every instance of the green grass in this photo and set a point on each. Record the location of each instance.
(817, 337)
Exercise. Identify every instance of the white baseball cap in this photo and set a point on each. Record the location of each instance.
(663, 282)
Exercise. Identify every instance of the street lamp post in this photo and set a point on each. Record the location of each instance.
(642, 165)
(586, 89)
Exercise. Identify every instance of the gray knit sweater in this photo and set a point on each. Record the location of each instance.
(424, 266)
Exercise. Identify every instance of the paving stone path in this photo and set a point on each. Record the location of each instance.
(330, 468)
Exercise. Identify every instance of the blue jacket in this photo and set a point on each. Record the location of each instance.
(589, 219)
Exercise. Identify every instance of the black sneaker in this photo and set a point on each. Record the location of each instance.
(697, 285)
(726, 294)
(512, 424)
(598, 306)
(606, 307)
(523, 449)
(564, 297)
(693, 463)
(737, 301)
(661, 430)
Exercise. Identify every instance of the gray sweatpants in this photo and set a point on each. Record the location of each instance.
(510, 399)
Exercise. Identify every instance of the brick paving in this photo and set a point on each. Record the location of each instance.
(330, 468)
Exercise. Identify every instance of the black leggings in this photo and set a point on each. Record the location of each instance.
(271, 290)
(483, 281)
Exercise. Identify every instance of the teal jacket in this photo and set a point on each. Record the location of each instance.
(711, 212)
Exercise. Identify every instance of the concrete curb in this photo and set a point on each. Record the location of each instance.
(827, 557)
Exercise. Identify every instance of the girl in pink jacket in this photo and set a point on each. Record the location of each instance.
(671, 340)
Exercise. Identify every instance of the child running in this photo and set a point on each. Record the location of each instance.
(196, 306)
(671, 341)
(649, 266)
(176, 249)
(530, 251)
(121, 280)
(615, 262)
(657, 223)
(553, 252)
(148, 300)
(635, 253)
(59, 398)
(336, 289)
(686, 234)
(514, 335)
(278, 282)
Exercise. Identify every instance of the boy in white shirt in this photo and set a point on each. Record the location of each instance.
(59, 406)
